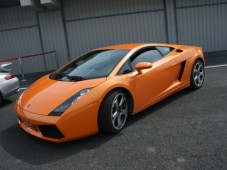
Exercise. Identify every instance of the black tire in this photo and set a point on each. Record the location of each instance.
(197, 75)
(113, 112)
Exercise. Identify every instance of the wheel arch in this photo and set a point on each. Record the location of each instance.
(201, 59)
(192, 60)
(192, 84)
(128, 94)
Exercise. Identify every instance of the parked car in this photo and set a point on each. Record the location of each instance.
(97, 91)
(9, 84)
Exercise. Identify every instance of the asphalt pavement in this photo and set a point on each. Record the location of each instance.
(186, 131)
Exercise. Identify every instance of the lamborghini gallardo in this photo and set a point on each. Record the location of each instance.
(97, 91)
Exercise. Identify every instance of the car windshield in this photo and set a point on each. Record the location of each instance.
(92, 65)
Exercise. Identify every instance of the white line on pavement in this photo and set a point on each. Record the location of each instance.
(216, 66)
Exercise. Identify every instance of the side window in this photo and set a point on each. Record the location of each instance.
(164, 50)
(125, 69)
(147, 56)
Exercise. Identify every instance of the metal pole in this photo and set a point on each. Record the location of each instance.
(21, 69)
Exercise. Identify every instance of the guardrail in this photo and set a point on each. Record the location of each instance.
(19, 58)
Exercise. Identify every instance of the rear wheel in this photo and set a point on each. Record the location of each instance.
(197, 75)
(113, 112)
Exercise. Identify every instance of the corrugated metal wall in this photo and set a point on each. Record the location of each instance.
(82, 25)
(92, 24)
(19, 36)
(14, 17)
(202, 23)
(189, 3)
(77, 9)
(53, 38)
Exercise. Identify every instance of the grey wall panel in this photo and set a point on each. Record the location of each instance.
(185, 3)
(53, 38)
(85, 35)
(75, 9)
(19, 43)
(171, 21)
(203, 26)
(14, 17)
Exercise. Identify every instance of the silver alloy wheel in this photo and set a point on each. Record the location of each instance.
(119, 111)
(198, 74)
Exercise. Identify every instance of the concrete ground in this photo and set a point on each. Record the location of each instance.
(187, 131)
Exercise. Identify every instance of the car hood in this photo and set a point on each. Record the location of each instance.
(45, 95)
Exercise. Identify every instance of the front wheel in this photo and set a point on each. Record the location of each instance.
(113, 112)
(197, 75)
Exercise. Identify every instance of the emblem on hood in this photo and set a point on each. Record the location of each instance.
(28, 105)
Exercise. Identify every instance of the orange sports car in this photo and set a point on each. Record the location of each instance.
(97, 91)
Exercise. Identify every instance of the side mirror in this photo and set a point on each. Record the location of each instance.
(142, 65)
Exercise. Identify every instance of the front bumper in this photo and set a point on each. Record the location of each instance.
(69, 126)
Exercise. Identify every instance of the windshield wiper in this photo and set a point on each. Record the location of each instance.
(71, 78)
(75, 78)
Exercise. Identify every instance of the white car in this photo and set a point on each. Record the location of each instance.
(9, 84)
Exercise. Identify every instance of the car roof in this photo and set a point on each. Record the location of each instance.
(135, 45)
(123, 46)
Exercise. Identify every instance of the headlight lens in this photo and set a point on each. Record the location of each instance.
(64, 106)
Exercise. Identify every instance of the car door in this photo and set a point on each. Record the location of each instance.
(153, 82)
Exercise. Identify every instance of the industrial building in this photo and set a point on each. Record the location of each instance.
(73, 27)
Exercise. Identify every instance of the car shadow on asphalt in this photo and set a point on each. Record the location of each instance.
(6, 102)
(32, 150)
(35, 151)
(153, 109)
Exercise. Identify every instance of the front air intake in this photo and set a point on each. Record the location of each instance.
(50, 131)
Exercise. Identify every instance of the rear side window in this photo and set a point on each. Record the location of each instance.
(147, 56)
(150, 54)
(164, 50)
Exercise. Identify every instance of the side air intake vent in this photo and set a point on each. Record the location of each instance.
(181, 70)
(179, 50)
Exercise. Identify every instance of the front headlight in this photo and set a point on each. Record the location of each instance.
(64, 106)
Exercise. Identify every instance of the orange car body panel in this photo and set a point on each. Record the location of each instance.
(80, 120)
